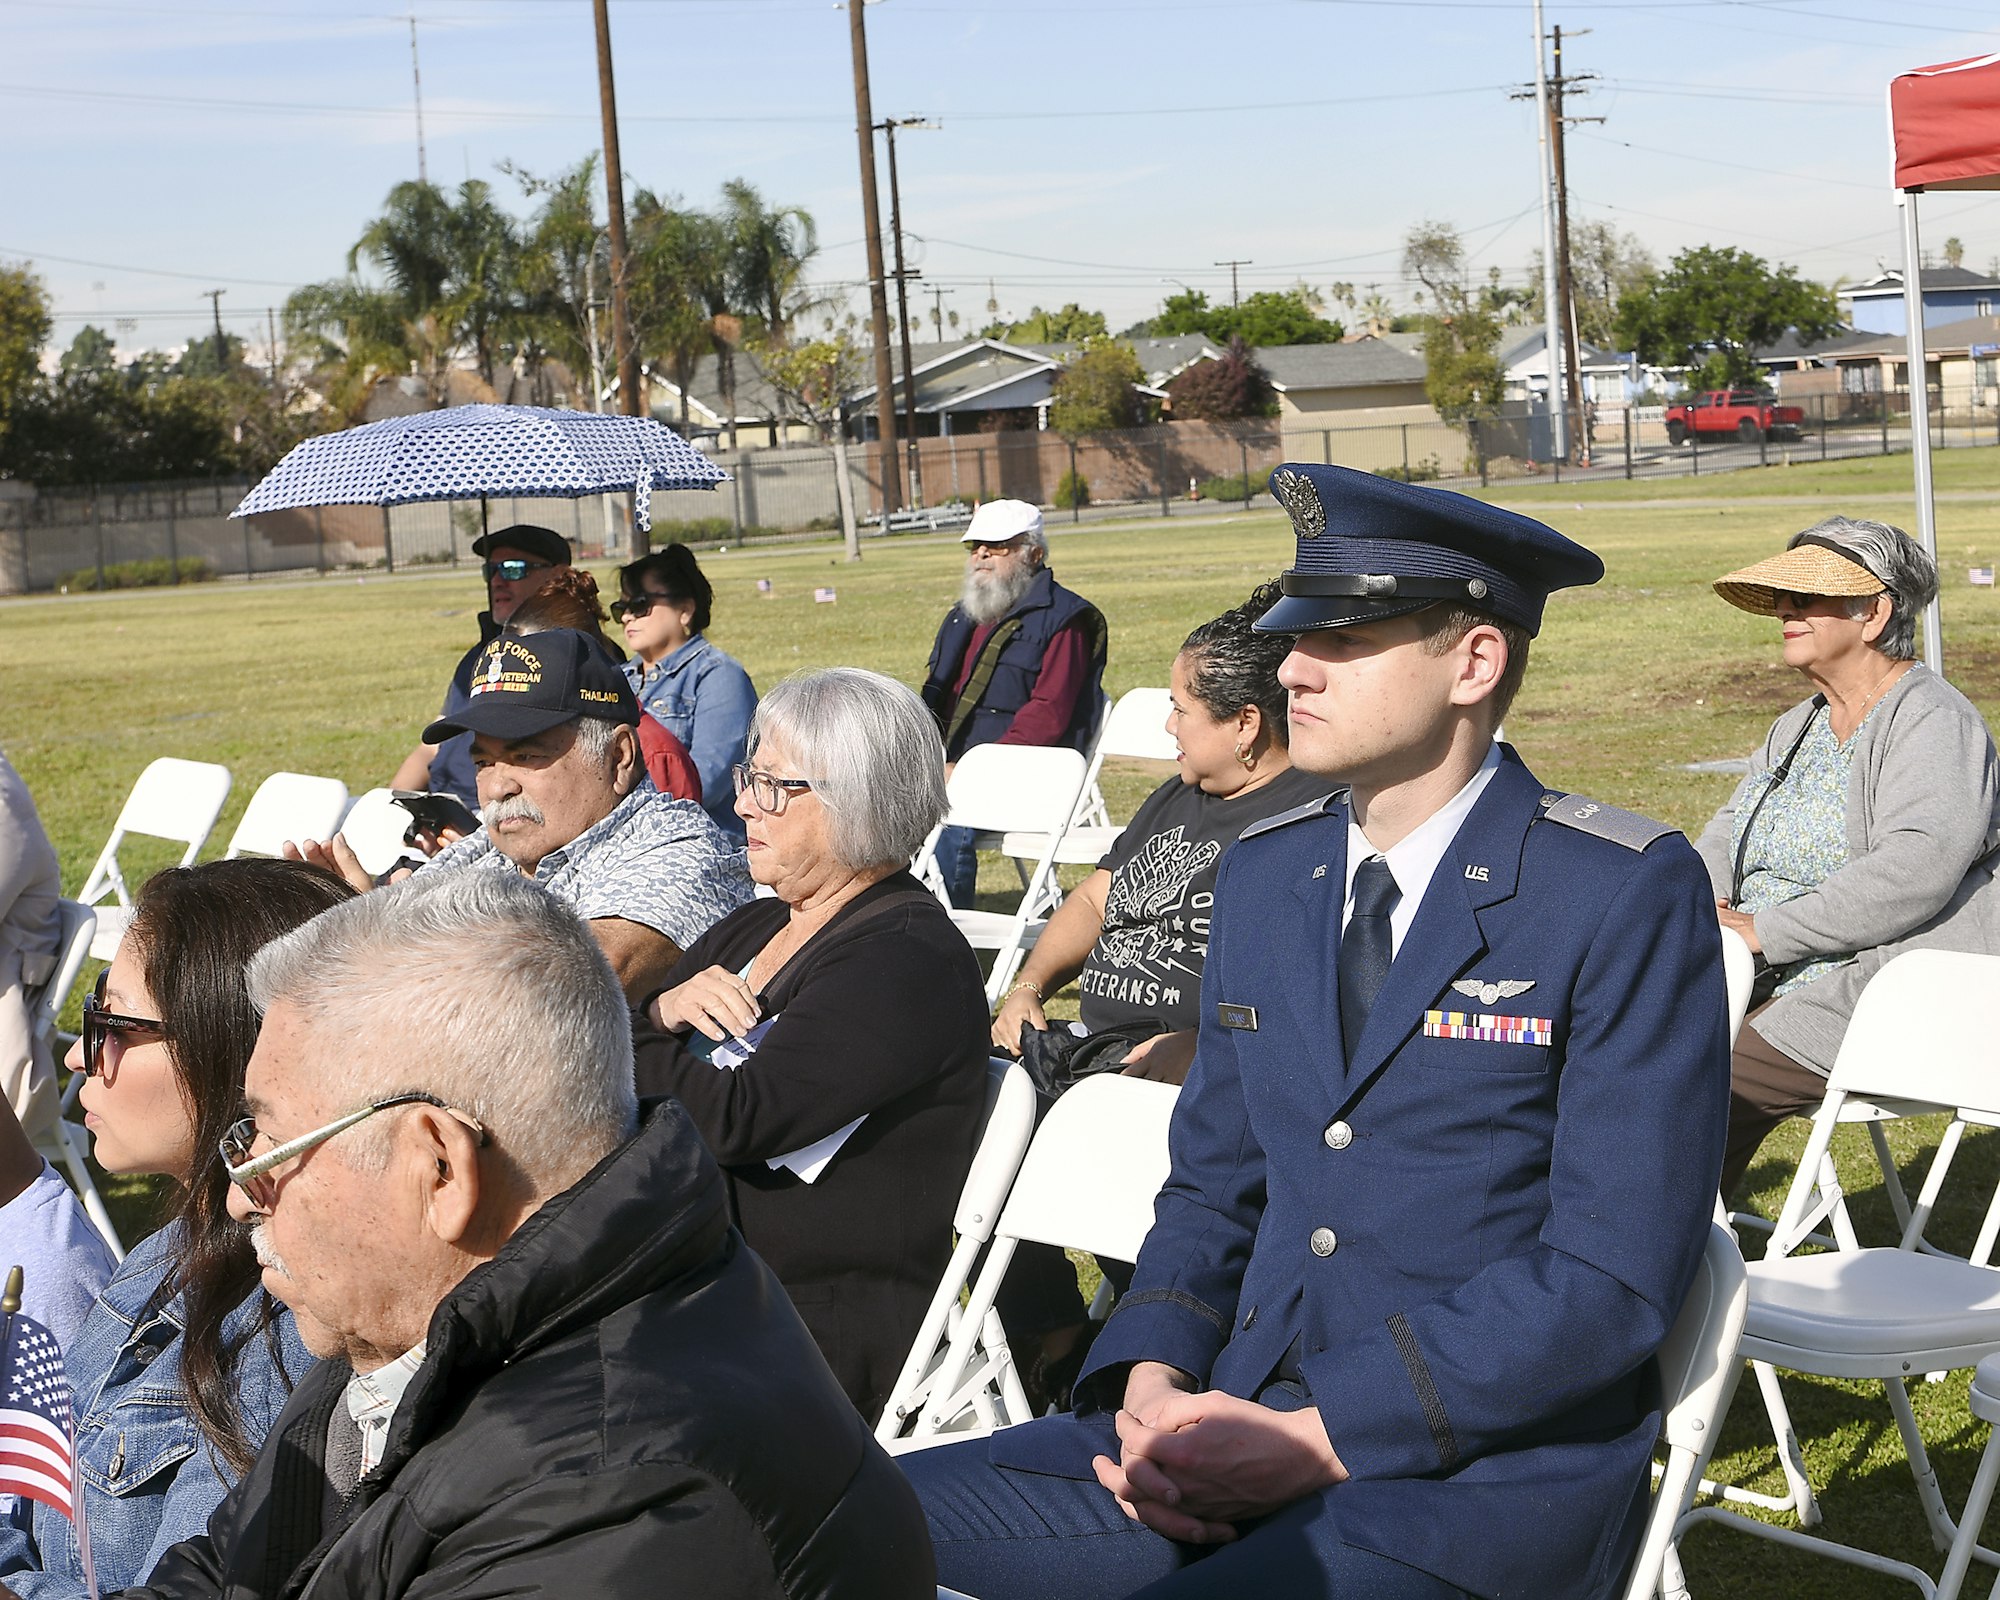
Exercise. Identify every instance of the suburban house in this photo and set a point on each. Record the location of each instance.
(1951, 294)
(1609, 379)
(1962, 357)
(1377, 379)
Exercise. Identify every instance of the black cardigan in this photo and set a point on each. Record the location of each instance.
(881, 1012)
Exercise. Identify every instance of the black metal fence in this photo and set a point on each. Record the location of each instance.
(110, 536)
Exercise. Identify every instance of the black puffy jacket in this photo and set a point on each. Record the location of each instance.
(622, 1402)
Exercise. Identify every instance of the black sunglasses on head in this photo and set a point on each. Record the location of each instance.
(513, 570)
(99, 1025)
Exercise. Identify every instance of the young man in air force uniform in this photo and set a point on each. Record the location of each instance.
(1444, 1166)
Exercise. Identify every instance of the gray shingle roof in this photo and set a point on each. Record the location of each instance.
(1339, 366)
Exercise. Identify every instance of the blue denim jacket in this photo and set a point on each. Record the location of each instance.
(149, 1478)
(705, 698)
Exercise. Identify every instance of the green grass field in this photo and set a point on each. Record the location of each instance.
(1631, 681)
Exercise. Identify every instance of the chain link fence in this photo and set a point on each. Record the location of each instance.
(115, 536)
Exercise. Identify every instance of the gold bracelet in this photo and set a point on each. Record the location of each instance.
(1024, 983)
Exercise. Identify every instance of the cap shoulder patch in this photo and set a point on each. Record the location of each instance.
(1279, 819)
(1627, 828)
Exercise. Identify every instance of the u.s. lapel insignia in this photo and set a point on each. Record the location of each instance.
(1295, 492)
(1487, 993)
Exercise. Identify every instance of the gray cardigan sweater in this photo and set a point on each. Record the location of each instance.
(1923, 822)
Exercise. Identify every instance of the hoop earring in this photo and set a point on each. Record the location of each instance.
(1246, 757)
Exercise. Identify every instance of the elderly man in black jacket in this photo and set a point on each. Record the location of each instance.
(551, 1366)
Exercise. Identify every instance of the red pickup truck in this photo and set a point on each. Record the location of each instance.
(1744, 413)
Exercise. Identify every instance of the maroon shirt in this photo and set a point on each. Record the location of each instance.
(1065, 668)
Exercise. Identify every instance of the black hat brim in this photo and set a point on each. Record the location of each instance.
(1308, 613)
(536, 541)
(498, 722)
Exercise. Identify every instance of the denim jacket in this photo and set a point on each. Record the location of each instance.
(149, 1478)
(705, 698)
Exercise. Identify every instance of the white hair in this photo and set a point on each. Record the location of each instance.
(1897, 562)
(873, 754)
(477, 987)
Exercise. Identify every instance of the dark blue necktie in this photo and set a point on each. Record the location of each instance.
(1366, 947)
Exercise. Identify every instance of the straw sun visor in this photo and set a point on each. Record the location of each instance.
(1806, 568)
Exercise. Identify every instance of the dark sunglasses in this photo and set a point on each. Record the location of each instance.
(99, 1025)
(512, 570)
(640, 605)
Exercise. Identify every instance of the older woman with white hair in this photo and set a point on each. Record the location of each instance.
(1868, 823)
(830, 1041)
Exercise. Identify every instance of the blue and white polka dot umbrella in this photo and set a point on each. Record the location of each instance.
(474, 452)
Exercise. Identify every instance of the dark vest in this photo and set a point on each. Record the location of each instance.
(1042, 612)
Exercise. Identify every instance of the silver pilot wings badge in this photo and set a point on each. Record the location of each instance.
(1487, 993)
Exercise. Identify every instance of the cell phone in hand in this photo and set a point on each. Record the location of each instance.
(433, 813)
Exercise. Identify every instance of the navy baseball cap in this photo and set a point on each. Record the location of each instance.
(1371, 548)
(544, 543)
(520, 687)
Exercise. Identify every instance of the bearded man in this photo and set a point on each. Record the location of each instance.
(1019, 659)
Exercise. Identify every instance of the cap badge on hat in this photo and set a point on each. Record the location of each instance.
(1295, 492)
(502, 678)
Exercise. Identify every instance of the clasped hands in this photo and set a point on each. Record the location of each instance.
(1192, 1463)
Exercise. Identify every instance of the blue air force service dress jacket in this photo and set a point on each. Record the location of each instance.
(1464, 1245)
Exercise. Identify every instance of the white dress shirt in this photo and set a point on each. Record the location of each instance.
(1413, 861)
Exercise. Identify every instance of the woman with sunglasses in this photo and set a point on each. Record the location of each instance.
(703, 696)
(185, 1362)
(830, 1041)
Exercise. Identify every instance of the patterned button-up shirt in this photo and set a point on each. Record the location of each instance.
(656, 861)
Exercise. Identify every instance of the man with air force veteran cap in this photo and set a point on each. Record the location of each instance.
(565, 800)
(1443, 1167)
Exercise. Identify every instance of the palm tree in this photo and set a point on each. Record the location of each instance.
(676, 288)
(769, 251)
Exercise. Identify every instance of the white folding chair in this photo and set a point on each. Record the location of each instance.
(1000, 788)
(1698, 1372)
(54, 1136)
(1008, 1125)
(1135, 729)
(288, 807)
(1087, 1183)
(1920, 1029)
(173, 799)
(374, 828)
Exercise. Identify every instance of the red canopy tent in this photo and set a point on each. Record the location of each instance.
(1945, 123)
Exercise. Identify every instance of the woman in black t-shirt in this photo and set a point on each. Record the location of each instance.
(1134, 934)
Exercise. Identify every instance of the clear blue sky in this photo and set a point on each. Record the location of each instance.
(1089, 148)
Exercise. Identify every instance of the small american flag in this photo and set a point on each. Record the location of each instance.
(36, 1450)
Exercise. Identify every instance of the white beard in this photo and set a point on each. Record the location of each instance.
(267, 1256)
(989, 596)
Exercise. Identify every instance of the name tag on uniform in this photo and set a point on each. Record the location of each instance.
(1491, 1029)
(1244, 1017)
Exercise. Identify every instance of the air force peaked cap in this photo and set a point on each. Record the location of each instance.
(1371, 548)
(522, 687)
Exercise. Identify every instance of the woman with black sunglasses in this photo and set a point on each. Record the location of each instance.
(704, 697)
(184, 1363)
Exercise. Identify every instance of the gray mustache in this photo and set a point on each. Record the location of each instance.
(515, 808)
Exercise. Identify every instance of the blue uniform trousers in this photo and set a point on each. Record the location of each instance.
(1006, 1534)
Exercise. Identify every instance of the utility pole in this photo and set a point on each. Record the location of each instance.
(938, 297)
(1235, 299)
(214, 298)
(1552, 342)
(622, 343)
(903, 276)
(271, 323)
(878, 294)
(1565, 276)
(417, 81)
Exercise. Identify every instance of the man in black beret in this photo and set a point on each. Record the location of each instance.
(517, 562)
(1444, 1164)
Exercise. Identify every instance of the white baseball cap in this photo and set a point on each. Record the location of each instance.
(1000, 520)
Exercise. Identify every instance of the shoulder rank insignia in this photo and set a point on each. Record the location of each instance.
(1622, 827)
(1312, 808)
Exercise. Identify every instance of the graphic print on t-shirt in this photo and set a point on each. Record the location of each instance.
(1152, 945)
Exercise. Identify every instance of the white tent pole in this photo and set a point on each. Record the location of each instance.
(1920, 415)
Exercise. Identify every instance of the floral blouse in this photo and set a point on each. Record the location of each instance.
(1799, 835)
